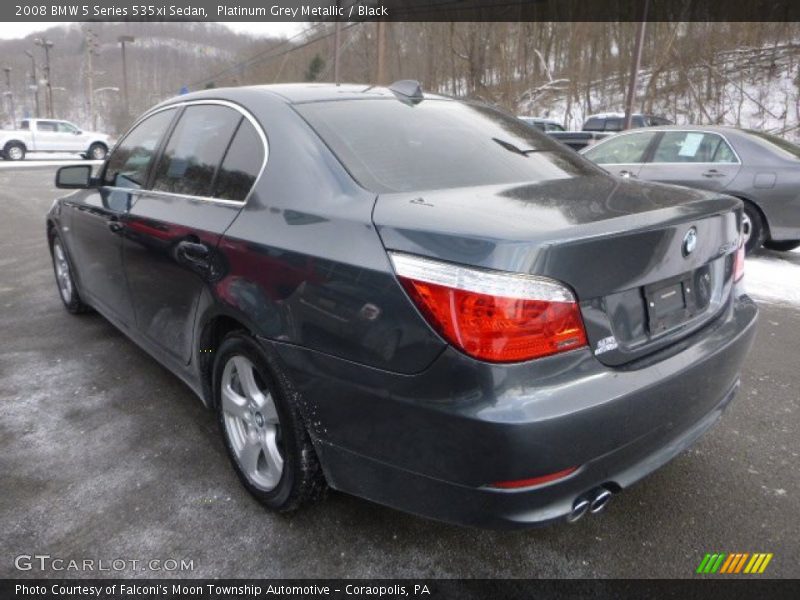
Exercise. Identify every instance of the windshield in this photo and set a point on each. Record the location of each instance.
(787, 147)
(391, 146)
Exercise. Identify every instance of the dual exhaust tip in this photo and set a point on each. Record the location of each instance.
(592, 502)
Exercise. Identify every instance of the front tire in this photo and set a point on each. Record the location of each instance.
(782, 246)
(14, 151)
(753, 228)
(66, 283)
(97, 151)
(262, 428)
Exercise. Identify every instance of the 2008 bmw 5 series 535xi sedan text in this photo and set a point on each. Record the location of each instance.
(412, 299)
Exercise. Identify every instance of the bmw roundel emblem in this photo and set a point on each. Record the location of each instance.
(689, 242)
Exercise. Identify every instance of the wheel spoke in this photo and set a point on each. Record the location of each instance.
(268, 410)
(272, 452)
(248, 456)
(233, 404)
(247, 378)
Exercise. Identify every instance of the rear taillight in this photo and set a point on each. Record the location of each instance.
(738, 263)
(492, 315)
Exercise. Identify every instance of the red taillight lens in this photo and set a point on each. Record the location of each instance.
(525, 483)
(738, 263)
(491, 315)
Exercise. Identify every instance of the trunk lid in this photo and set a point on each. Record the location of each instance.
(620, 245)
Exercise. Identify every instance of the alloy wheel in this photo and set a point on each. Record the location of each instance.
(251, 423)
(15, 153)
(62, 272)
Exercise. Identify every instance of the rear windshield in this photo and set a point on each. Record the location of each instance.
(391, 146)
(787, 147)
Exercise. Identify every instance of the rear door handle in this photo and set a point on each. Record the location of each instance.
(713, 173)
(115, 225)
(193, 253)
(626, 173)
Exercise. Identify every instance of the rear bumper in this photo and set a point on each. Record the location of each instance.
(430, 443)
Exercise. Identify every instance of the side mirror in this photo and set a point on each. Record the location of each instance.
(78, 132)
(74, 177)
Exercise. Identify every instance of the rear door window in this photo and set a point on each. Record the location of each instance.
(46, 126)
(130, 161)
(241, 165)
(692, 147)
(195, 149)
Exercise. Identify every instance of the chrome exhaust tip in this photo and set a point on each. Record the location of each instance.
(600, 501)
(579, 509)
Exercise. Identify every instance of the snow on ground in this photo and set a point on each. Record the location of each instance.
(773, 277)
(47, 159)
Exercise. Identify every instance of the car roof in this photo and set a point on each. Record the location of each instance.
(296, 93)
(712, 128)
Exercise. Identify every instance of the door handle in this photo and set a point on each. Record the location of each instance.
(627, 174)
(193, 253)
(115, 225)
(713, 173)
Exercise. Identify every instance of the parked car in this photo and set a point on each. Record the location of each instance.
(416, 300)
(761, 169)
(600, 126)
(546, 125)
(47, 135)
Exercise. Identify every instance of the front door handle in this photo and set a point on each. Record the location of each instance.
(115, 225)
(192, 252)
(627, 174)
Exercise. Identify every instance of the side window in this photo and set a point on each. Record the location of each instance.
(25, 125)
(131, 159)
(620, 150)
(594, 124)
(195, 149)
(687, 147)
(46, 126)
(241, 164)
(66, 127)
(613, 124)
(724, 153)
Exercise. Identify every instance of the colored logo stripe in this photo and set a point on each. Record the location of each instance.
(734, 563)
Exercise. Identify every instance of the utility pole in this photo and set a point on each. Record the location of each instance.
(123, 39)
(637, 62)
(380, 77)
(47, 44)
(34, 81)
(91, 48)
(336, 41)
(10, 98)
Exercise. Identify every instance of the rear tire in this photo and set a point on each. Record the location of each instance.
(262, 428)
(753, 228)
(64, 279)
(14, 151)
(97, 151)
(782, 246)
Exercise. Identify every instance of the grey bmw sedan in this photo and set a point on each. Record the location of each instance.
(761, 169)
(415, 300)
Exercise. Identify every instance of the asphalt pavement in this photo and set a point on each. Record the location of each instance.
(105, 455)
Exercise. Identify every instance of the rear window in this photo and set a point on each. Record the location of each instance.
(390, 146)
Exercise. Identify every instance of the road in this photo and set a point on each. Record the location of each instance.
(104, 455)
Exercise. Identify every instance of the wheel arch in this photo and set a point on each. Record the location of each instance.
(212, 331)
(749, 200)
(6, 143)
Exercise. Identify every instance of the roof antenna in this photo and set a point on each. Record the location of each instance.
(408, 91)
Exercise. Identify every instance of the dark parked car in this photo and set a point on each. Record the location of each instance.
(415, 300)
(761, 169)
(546, 125)
(601, 126)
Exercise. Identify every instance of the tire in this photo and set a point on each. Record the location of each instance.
(14, 151)
(97, 151)
(753, 228)
(782, 246)
(262, 428)
(66, 284)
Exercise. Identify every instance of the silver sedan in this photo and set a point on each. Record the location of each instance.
(761, 169)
